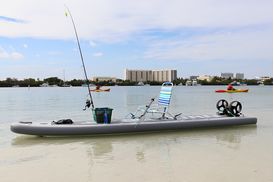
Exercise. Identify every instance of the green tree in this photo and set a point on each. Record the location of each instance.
(54, 81)
(269, 81)
(29, 82)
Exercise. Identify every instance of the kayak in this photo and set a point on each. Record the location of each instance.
(231, 91)
(128, 125)
(100, 90)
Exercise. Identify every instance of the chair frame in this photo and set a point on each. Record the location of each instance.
(158, 108)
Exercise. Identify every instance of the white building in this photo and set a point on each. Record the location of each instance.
(205, 77)
(263, 78)
(150, 75)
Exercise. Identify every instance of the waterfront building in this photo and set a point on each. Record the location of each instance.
(205, 77)
(101, 79)
(150, 75)
(239, 76)
(227, 75)
(194, 83)
(193, 77)
(263, 78)
(138, 75)
(188, 83)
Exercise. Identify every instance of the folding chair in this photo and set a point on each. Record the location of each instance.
(160, 108)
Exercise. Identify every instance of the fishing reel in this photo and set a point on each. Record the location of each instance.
(88, 104)
(233, 109)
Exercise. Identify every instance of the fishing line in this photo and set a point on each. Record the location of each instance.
(82, 59)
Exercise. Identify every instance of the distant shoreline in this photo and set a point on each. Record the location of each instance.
(56, 82)
(129, 86)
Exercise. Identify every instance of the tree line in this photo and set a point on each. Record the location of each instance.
(224, 81)
(31, 82)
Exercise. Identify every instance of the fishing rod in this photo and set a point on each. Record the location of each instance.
(88, 103)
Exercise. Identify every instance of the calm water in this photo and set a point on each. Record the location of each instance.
(223, 154)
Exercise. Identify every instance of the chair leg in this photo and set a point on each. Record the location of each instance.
(175, 117)
(164, 114)
(132, 116)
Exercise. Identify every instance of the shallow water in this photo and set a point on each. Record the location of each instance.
(242, 153)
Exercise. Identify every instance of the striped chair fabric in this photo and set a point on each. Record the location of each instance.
(165, 95)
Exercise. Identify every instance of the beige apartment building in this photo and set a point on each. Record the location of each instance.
(150, 75)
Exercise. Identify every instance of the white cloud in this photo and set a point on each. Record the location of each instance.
(119, 20)
(25, 46)
(115, 20)
(14, 55)
(98, 54)
(243, 45)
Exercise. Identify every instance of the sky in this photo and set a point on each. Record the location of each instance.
(196, 37)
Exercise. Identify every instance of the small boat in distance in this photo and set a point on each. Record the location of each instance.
(98, 89)
(140, 84)
(45, 85)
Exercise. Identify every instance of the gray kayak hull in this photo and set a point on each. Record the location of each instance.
(88, 128)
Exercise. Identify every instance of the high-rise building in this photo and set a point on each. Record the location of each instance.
(193, 77)
(239, 76)
(150, 75)
(138, 75)
(227, 75)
